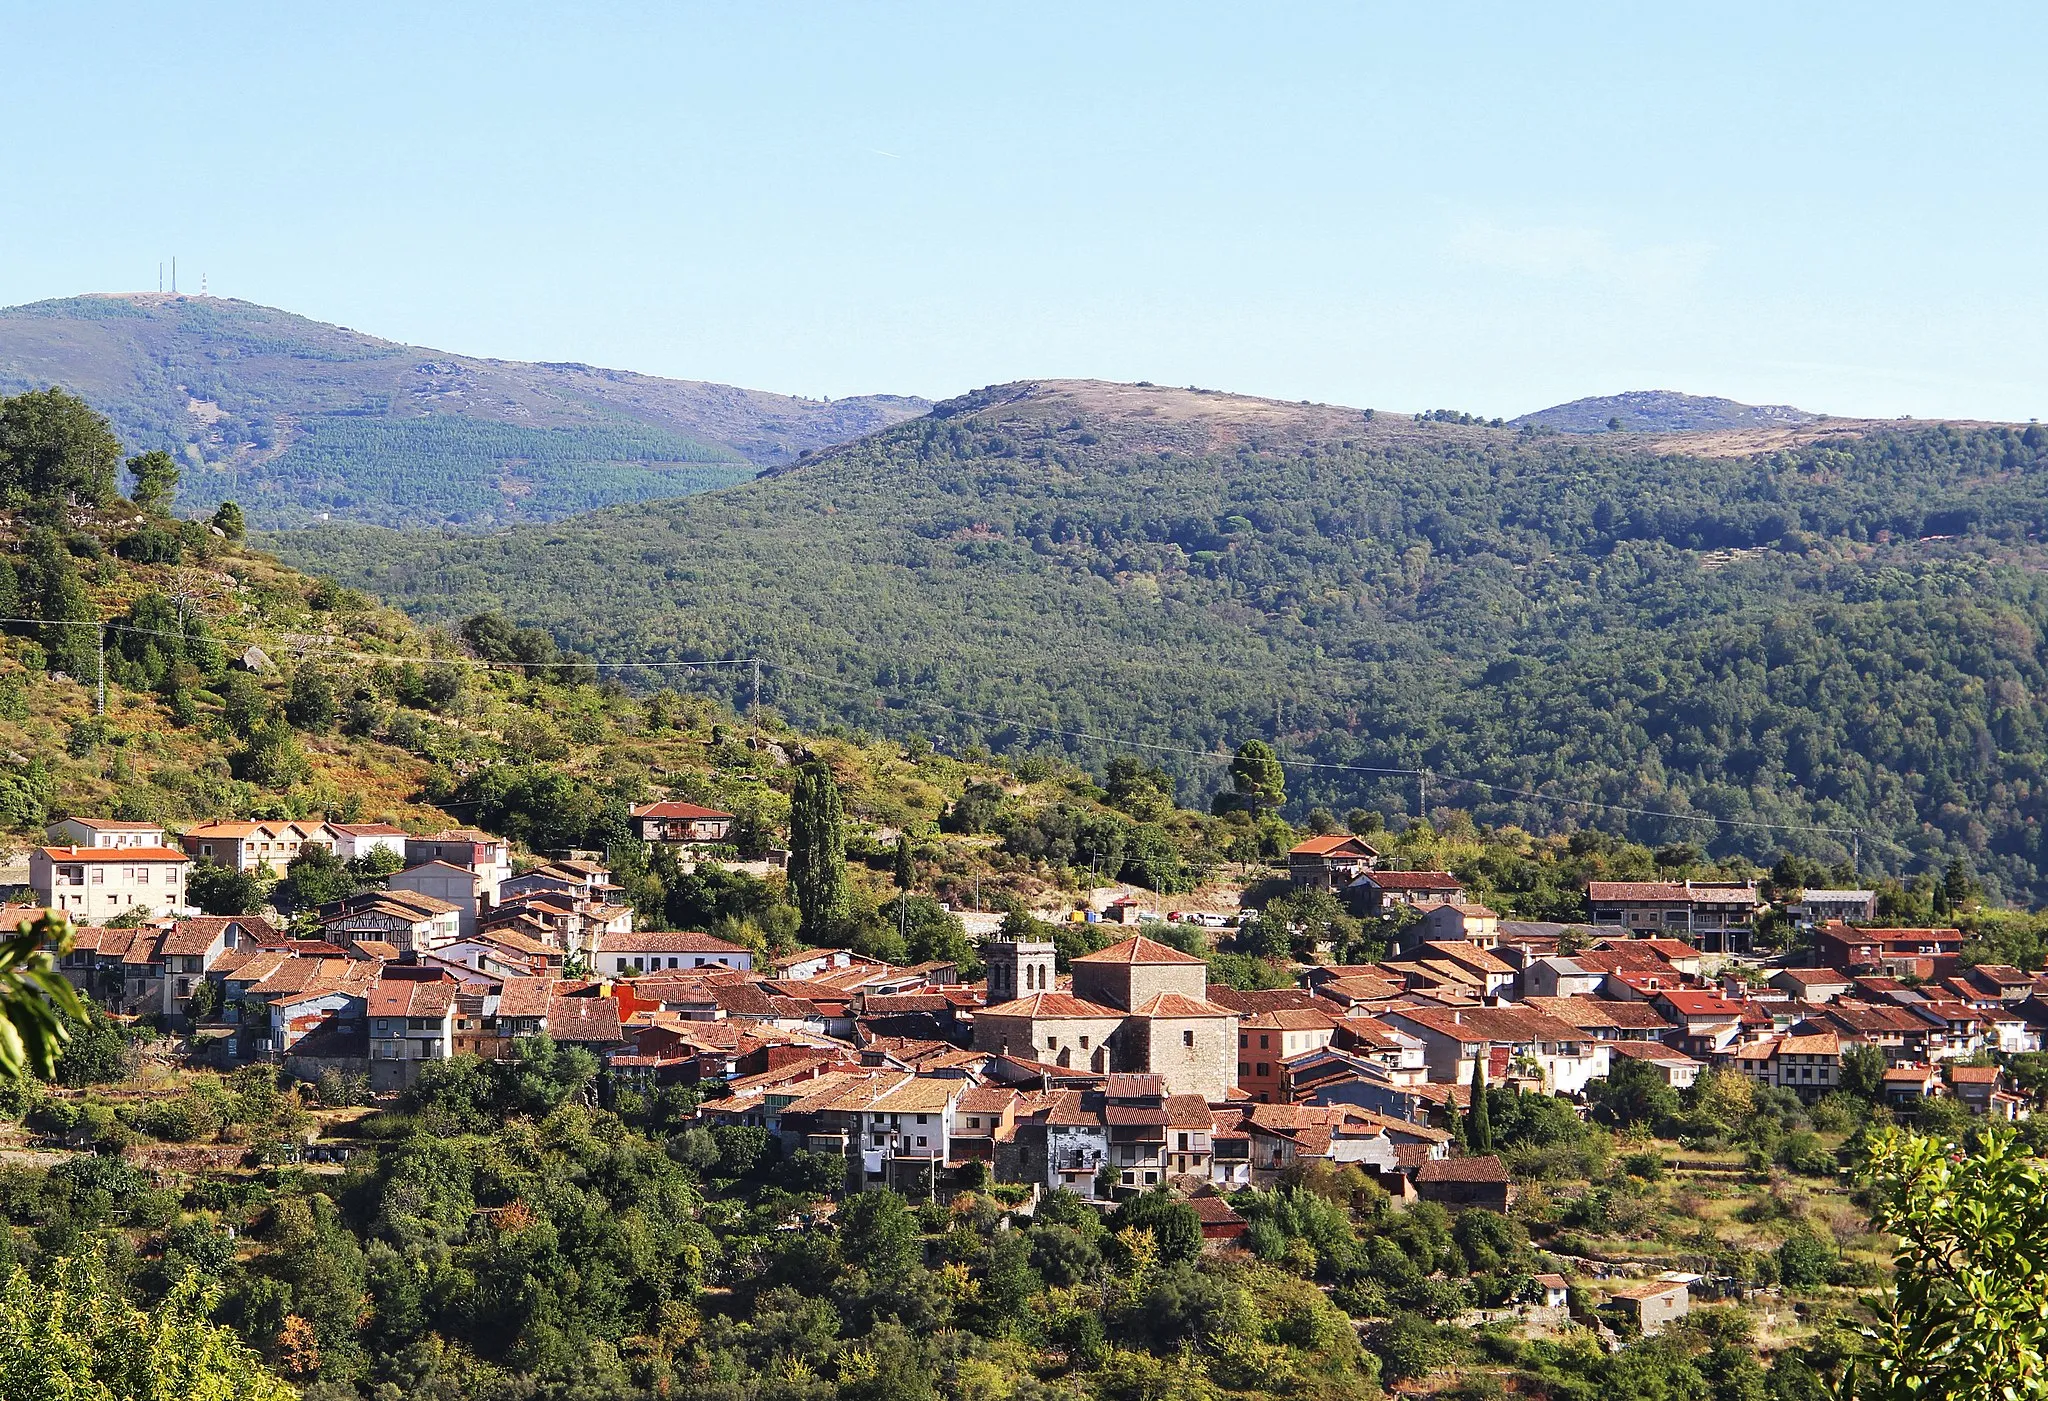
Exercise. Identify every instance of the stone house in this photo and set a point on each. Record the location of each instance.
(1466, 1182)
(1651, 1307)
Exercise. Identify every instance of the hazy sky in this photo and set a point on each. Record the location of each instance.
(1489, 208)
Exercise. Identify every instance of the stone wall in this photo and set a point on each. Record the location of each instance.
(1207, 1068)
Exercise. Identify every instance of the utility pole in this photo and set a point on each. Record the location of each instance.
(1422, 794)
(757, 703)
(103, 668)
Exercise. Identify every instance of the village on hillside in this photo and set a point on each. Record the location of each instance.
(1120, 1071)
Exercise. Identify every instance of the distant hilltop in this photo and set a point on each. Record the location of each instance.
(1662, 411)
(303, 421)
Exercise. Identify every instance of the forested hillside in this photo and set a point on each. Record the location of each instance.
(299, 421)
(1844, 632)
(350, 710)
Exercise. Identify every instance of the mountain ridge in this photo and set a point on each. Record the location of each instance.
(298, 417)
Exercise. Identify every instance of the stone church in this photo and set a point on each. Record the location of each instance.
(1137, 1007)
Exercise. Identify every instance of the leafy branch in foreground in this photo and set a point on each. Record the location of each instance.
(37, 1007)
(74, 1335)
(1968, 1314)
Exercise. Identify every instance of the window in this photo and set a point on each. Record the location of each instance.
(1243, 1070)
(1262, 1067)
(974, 1123)
(1183, 1143)
(1084, 1043)
(1243, 1041)
(1052, 1043)
(1264, 1041)
(920, 1118)
(920, 1140)
(1187, 1038)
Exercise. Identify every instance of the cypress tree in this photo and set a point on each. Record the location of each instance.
(906, 869)
(1454, 1123)
(817, 852)
(1481, 1131)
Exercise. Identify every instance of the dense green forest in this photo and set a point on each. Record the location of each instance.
(1844, 633)
(496, 1236)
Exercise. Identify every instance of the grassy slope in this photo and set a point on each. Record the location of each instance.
(149, 766)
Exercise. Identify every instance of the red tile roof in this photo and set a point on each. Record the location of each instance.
(114, 855)
(1414, 880)
(1141, 950)
(674, 941)
(192, 937)
(682, 811)
(1480, 1169)
(411, 998)
(583, 1019)
(1214, 1211)
(1325, 846)
(1173, 1004)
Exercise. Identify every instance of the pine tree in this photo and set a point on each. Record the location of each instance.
(817, 852)
(1481, 1131)
(1257, 778)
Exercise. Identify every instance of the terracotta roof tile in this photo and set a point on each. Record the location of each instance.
(1479, 1169)
(1139, 949)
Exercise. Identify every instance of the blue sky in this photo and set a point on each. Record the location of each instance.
(1482, 207)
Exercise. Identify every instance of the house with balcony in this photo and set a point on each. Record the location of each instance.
(94, 884)
(412, 1022)
(1516, 1044)
(1810, 1065)
(1330, 863)
(405, 919)
(1897, 953)
(681, 825)
(251, 846)
(1711, 916)
(1384, 892)
(191, 948)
